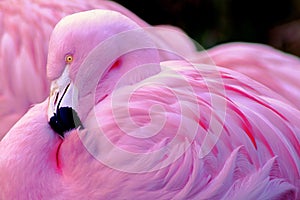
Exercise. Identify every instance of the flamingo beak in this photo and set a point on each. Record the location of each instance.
(60, 90)
(62, 104)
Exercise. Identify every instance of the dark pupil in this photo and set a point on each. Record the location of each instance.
(65, 119)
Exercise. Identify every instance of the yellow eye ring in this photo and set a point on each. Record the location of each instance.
(68, 59)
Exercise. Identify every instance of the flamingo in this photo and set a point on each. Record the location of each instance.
(25, 28)
(122, 124)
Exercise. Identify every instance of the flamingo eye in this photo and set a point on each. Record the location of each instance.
(68, 59)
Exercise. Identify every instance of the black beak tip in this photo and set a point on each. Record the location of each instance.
(65, 119)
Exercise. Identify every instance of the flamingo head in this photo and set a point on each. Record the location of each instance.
(95, 50)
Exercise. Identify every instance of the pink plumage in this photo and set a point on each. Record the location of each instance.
(277, 70)
(152, 129)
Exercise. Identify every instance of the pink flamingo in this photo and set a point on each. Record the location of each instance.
(25, 28)
(146, 129)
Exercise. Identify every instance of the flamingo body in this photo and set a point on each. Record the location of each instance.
(152, 129)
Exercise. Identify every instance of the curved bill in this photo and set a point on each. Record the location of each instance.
(61, 93)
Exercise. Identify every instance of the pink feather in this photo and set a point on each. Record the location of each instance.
(277, 70)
